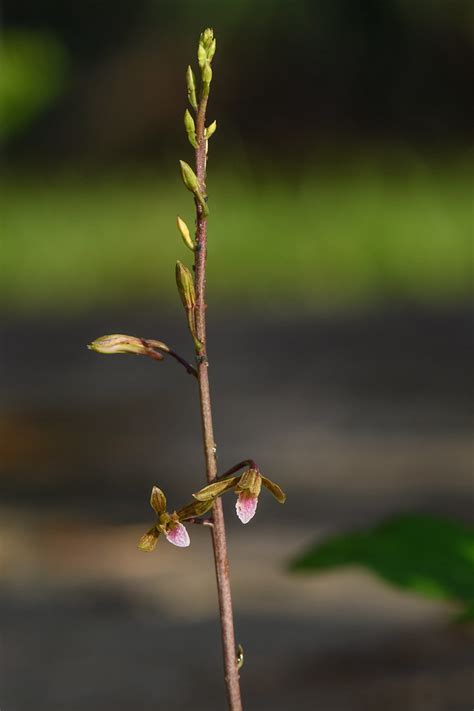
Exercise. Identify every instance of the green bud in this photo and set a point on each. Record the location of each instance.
(184, 232)
(207, 47)
(210, 130)
(217, 488)
(185, 283)
(148, 541)
(190, 129)
(207, 73)
(189, 177)
(202, 55)
(191, 182)
(157, 501)
(207, 37)
(191, 84)
(211, 51)
(119, 343)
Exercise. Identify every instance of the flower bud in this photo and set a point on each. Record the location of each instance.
(207, 73)
(190, 129)
(202, 55)
(207, 47)
(211, 51)
(184, 232)
(119, 343)
(207, 38)
(185, 283)
(210, 130)
(191, 182)
(189, 177)
(191, 84)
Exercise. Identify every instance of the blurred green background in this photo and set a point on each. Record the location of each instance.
(340, 283)
(343, 158)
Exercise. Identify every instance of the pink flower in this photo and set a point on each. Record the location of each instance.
(247, 486)
(170, 525)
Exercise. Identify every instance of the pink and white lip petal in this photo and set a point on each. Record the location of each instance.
(178, 536)
(246, 506)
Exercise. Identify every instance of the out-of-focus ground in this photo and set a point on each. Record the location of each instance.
(357, 416)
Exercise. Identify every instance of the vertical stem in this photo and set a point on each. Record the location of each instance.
(231, 672)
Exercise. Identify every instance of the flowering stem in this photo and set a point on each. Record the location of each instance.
(231, 672)
(189, 368)
(151, 352)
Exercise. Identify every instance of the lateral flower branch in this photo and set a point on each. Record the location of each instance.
(206, 508)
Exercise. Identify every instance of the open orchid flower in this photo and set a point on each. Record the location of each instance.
(170, 525)
(247, 486)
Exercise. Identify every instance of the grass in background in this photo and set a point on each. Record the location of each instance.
(330, 238)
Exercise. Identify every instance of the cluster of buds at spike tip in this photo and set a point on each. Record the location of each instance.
(192, 184)
(120, 343)
(185, 284)
(170, 525)
(247, 486)
(206, 51)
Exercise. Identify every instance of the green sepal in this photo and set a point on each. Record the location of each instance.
(195, 509)
(274, 489)
(149, 539)
(157, 501)
(217, 488)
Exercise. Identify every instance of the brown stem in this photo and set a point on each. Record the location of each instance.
(231, 672)
(152, 353)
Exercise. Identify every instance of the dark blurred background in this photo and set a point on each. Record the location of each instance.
(341, 196)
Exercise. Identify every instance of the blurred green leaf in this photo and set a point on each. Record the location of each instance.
(32, 71)
(430, 556)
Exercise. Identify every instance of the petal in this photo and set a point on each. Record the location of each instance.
(216, 489)
(246, 506)
(178, 536)
(157, 500)
(274, 489)
(148, 541)
(196, 508)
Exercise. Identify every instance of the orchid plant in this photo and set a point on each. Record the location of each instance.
(206, 507)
